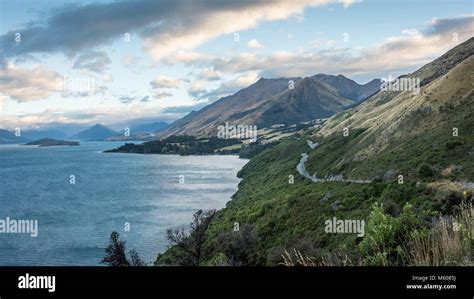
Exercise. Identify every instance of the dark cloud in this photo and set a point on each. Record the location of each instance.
(127, 99)
(94, 61)
(160, 95)
(73, 28)
(452, 25)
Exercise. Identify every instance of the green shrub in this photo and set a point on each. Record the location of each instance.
(384, 235)
(425, 171)
(450, 145)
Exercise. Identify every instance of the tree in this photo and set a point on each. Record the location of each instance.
(115, 254)
(240, 247)
(135, 259)
(192, 247)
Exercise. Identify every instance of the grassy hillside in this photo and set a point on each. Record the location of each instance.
(403, 132)
(286, 216)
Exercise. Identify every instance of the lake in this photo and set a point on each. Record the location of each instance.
(112, 191)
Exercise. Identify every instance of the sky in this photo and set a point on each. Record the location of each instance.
(117, 62)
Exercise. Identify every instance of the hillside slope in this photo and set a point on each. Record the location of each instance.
(310, 99)
(349, 88)
(280, 211)
(403, 130)
(205, 121)
(272, 101)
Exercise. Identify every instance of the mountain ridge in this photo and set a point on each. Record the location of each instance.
(248, 105)
(97, 132)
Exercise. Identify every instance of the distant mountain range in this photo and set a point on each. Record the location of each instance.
(7, 137)
(154, 127)
(41, 134)
(275, 101)
(96, 133)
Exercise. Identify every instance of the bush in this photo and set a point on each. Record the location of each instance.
(425, 171)
(384, 235)
(115, 254)
(453, 144)
(239, 247)
(192, 248)
(447, 243)
(391, 208)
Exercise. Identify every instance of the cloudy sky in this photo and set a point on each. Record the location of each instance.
(117, 61)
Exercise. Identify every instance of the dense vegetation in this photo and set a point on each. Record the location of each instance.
(276, 217)
(404, 168)
(433, 154)
(177, 145)
(52, 142)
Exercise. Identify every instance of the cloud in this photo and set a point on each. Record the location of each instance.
(165, 82)
(104, 115)
(347, 3)
(165, 26)
(80, 86)
(187, 58)
(198, 88)
(93, 61)
(161, 95)
(209, 74)
(134, 64)
(231, 86)
(25, 85)
(127, 99)
(254, 44)
(107, 78)
(398, 54)
(211, 20)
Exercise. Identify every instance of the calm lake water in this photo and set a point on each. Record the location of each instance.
(111, 189)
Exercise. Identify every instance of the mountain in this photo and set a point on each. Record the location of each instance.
(149, 127)
(41, 134)
(272, 101)
(7, 137)
(52, 142)
(403, 131)
(427, 137)
(349, 88)
(310, 99)
(204, 121)
(96, 133)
